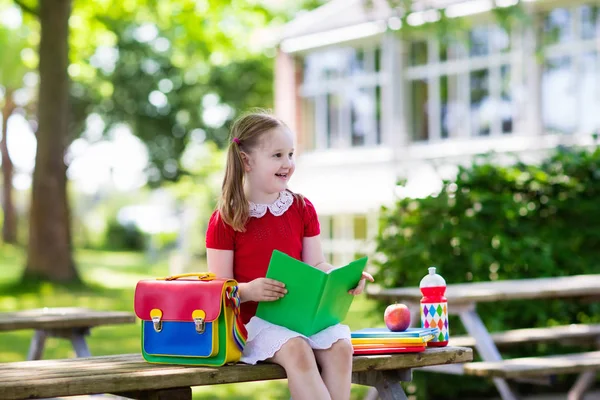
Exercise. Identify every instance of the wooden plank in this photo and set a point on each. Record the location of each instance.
(58, 318)
(539, 288)
(86, 376)
(536, 366)
(579, 332)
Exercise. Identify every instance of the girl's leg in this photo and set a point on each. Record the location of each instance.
(336, 366)
(304, 380)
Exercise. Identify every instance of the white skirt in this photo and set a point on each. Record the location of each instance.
(265, 339)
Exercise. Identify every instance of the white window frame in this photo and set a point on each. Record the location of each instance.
(321, 88)
(461, 68)
(574, 49)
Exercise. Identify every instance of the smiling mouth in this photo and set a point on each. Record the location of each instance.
(282, 175)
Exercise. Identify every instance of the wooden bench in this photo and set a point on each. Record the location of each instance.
(130, 376)
(72, 323)
(587, 363)
(575, 334)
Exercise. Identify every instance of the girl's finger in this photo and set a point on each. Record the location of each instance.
(368, 276)
(276, 289)
(268, 297)
(273, 282)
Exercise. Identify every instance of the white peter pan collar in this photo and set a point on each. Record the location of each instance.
(281, 205)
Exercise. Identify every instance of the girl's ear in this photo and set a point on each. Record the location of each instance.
(246, 161)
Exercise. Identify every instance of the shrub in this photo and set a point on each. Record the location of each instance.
(501, 222)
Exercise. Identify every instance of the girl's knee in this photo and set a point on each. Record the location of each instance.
(338, 355)
(296, 353)
(342, 349)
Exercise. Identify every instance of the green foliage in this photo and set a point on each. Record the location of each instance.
(123, 237)
(502, 222)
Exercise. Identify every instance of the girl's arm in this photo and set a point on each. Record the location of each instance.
(312, 253)
(220, 262)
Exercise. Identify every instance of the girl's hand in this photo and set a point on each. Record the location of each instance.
(262, 289)
(361, 284)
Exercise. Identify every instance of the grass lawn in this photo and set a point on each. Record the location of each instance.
(110, 281)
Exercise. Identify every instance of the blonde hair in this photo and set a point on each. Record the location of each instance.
(245, 136)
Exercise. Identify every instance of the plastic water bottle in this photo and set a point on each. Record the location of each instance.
(434, 307)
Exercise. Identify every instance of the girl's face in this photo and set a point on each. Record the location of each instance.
(270, 165)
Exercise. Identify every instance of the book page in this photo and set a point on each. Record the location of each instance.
(304, 283)
(336, 300)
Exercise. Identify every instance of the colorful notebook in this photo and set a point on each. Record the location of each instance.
(389, 350)
(386, 333)
(315, 299)
(417, 340)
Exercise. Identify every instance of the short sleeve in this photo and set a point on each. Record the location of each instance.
(219, 235)
(310, 219)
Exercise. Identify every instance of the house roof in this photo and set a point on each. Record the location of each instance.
(343, 13)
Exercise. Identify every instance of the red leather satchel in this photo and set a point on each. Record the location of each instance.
(190, 319)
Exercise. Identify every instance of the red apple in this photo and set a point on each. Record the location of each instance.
(397, 317)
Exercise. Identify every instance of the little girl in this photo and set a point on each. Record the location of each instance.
(256, 215)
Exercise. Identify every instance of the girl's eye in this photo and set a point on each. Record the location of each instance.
(291, 155)
(277, 155)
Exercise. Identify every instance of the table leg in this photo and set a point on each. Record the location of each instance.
(79, 343)
(485, 347)
(36, 347)
(584, 382)
(387, 383)
(182, 393)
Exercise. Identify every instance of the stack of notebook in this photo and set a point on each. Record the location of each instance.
(383, 341)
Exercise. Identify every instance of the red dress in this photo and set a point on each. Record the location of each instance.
(252, 249)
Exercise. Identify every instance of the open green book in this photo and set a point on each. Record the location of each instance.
(315, 299)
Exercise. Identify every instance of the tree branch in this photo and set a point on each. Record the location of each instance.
(27, 9)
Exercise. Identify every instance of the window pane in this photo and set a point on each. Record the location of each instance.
(360, 227)
(378, 113)
(481, 107)
(419, 98)
(377, 59)
(500, 39)
(506, 100)
(452, 112)
(559, 112)
(418, 53)
(590, 94)
(590, 22)
(479, 41)
(362, 113)
(451, 48)
(557, 26)
(333, 120)
(308, 122)
(358, 62)
(328, 64)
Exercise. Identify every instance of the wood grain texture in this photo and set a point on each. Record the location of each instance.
(539, 288)
(62, 318)
(130, 373)
(536, 366)
(579, 333)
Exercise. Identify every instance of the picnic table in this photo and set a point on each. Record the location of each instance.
(462, 300)
(130, 376)
(72, 323)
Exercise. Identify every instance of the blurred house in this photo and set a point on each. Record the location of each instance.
(373, 101)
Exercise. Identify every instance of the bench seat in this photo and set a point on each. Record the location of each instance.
(536, 366)
(577, 333)
(129, 375)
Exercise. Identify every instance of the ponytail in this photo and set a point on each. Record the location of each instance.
(234, 207)
(246, 132)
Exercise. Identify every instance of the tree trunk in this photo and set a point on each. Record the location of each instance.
(9, 227)
(49, 254)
